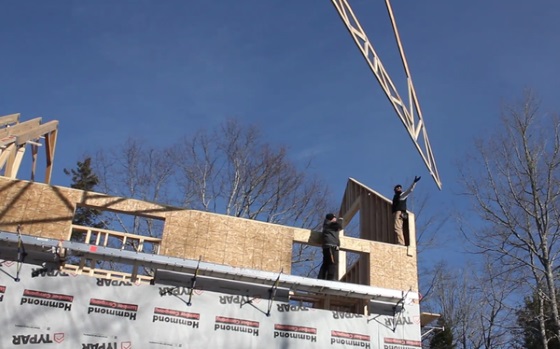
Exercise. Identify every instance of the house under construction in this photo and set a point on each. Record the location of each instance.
(209, 279)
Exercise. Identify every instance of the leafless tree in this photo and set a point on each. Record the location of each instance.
(428, 225)
(231, 170)
(516, 196)
(474, 304)
(450, 296)
(133, 170)
(136, 170)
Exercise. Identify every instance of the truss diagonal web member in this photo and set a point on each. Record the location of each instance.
(409, 113)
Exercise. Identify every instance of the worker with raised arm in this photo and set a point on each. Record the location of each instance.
(331, 244)
(399, 209)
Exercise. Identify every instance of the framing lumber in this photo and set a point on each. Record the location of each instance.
(9, 119)
(14, 139)
(50, 145)
(20, 127)
(36, 132)
(4, 154)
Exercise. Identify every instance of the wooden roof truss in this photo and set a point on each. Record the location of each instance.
(408, 110)
(15, 136)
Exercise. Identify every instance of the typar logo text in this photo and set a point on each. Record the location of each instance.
(102, 306)
(107, 345)
(43, 338)
(47, 299)
(2, 291)
(290, 308)
(48, 273)
(110, 283)
(296, 332)
(178, 291)
(236, 325)
(238, 300)
(176, 317)
(350, 339)
(402, 321)
(340, 315)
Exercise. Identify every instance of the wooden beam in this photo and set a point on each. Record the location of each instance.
(50, 145)
(427, 318)
(5, 154)
(36, 132)
(20, 128)
(14, 161)
(5, 141)
(356, 204)
(34, 150)
(9, 119)
(17, 161)
(341, 266)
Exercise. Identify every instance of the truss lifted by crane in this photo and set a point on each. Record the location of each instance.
(410, 114)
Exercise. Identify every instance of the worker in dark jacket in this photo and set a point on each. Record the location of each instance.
(331, 243)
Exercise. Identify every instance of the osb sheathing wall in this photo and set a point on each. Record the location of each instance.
(390, 266)
(228, 240)
(47, 211)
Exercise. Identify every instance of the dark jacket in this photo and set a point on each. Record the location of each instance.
(399, 199)
(330, 233)
(398, 204)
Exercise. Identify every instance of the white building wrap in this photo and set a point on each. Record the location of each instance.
(57, 310)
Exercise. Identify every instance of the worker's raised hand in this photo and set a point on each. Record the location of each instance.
(416, 178)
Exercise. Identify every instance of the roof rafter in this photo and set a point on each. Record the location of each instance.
(9, 119)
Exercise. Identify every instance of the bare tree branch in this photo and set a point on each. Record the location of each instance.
(517, 197)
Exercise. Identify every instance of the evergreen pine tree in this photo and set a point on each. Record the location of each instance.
(529, 333)
(443, 339)
(84, 178)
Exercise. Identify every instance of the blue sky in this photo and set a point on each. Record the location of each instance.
(157, 70)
